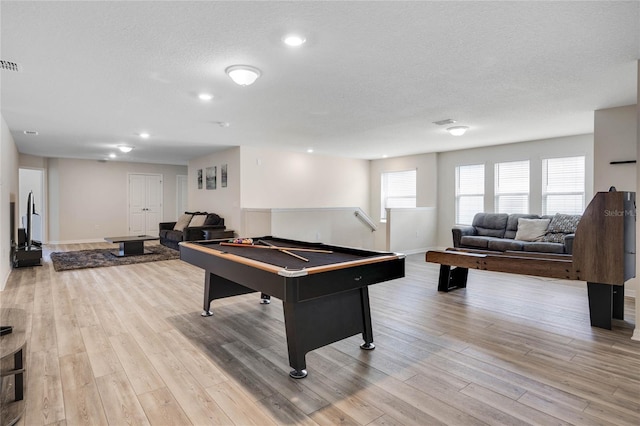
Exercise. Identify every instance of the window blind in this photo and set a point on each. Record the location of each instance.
(512, 187)
(398, 190)
(563, 185)
(469, 192)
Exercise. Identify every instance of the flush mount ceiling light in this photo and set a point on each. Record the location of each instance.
(125, 148)
(457, 130)
(293, 40)
(144, 135)
(243, 75)
(205, 96)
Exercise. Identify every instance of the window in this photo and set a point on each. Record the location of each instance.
(512, 187)
(563, 185)
(469, 192)
(398, 190)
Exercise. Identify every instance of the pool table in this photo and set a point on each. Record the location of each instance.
(325, 296)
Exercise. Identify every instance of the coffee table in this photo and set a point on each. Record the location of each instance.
(132, 245)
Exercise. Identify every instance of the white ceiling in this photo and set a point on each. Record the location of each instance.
(370, 81)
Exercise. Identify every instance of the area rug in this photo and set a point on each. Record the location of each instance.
(98, 258)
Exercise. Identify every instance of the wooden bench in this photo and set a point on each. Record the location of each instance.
(603, 255)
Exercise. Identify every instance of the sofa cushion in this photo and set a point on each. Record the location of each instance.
(183, 221)
(512, 223)
(490, 224)
(564, 223)
(505, 244)
(544, 247)
(198, 220)
(475, 241)
(531, 229)
(172, 235)
(213, 219)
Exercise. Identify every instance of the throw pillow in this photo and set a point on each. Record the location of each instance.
(198, 220)
(552, 237)
(531, 229)
(183, 221)
(564, 223)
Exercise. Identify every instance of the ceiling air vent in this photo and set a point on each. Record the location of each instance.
(443, 122)
(9, 66)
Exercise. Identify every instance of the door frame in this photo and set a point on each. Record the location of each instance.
(178, 193)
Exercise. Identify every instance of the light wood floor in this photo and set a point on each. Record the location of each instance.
(127, 345)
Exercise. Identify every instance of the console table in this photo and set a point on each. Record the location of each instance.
(12, 368)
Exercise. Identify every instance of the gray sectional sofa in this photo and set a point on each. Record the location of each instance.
(518, 232)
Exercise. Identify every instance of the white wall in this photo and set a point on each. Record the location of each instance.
(8, 193)
(411, 230)
(260, 178)
(225, 202)
(534, 151)
(337, 226)
(426, 166)
(88, 199)
(282, 179)
(614, 139)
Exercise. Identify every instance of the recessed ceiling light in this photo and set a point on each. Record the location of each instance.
(310, 150)
(30, 132)
(144, 135)
(457, 130)
(112, 155)
(294, 40)
(384, 155)
(125, 148)
(205, 96)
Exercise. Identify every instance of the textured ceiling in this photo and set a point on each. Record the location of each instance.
(370, 81)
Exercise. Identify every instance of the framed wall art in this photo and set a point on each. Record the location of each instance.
(211, 177)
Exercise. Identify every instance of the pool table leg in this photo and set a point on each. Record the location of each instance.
(217, 287)
(367, 332)
(208, 297)
(318, 322)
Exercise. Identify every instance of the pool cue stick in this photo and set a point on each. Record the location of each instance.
(283, 250)
(274, 247)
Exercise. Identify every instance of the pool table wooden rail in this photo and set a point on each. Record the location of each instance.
(220, 252)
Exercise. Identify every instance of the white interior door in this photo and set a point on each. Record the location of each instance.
(145, 204)
(153, 206)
